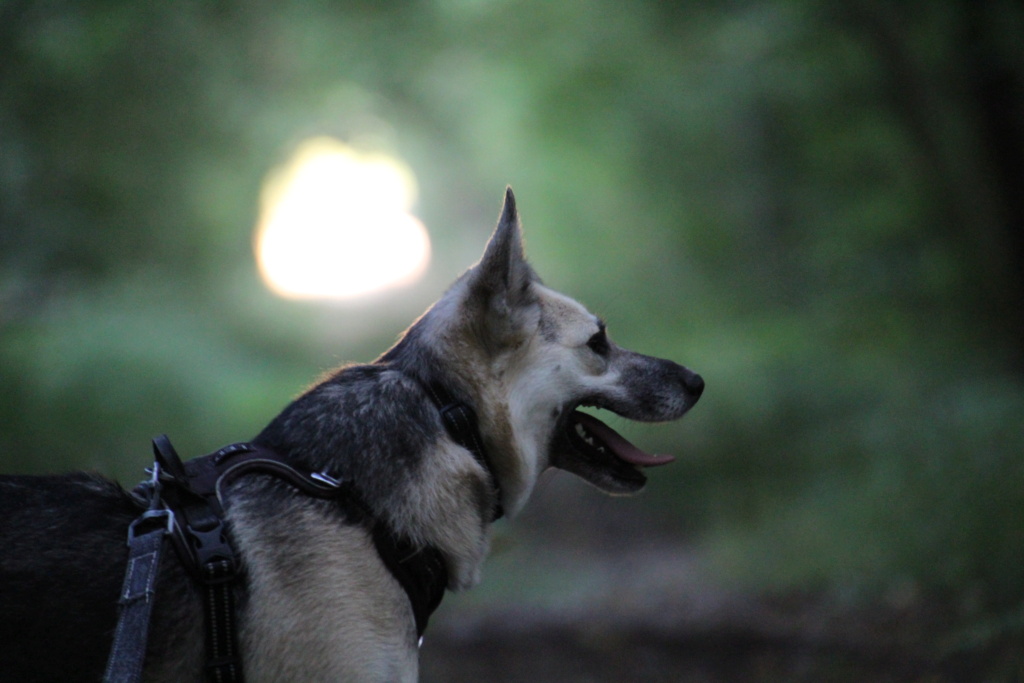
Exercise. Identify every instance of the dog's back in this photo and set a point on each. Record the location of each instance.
(62, 557)
(62, 553)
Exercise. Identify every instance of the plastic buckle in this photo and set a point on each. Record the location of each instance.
(210, 545)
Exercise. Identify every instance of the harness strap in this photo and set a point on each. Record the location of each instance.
(223, 663)
(206, 477)
(421, 572)
(195, 491)
(205, 547)
(194, 494)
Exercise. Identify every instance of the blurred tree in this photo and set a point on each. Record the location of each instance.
(816, 204)
(953, 74)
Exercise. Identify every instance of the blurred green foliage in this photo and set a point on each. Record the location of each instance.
(818, 205)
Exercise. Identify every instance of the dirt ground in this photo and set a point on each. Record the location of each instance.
(766, 641)
(592, 590)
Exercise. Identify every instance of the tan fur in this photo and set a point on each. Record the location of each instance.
(524, 399)
(346, 619)
(449, 508)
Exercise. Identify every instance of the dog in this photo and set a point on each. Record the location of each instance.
(316, 602)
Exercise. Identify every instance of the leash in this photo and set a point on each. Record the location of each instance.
(139, 591)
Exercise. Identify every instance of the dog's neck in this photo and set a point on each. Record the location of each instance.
(458, 414)
(460, 421)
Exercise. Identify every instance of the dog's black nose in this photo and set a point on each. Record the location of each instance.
(694, 384)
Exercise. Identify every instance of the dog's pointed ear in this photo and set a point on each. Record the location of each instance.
(501, 282)
(503, 266)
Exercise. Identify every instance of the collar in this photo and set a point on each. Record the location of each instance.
(461, 423)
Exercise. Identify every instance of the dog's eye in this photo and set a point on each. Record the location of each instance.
(599, 343)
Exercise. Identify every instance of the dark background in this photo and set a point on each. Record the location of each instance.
(817, 205)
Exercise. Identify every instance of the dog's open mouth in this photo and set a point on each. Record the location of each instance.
(594, 436)
(597, 453)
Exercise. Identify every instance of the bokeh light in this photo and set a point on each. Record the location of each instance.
(336, 224)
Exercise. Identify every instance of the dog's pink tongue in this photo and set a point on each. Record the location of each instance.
(617, 444)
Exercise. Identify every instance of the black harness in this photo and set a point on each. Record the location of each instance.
(183, 501)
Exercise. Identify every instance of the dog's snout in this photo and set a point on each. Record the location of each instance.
(694, 384)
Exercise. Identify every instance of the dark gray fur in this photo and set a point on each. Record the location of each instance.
(62, 559)
(376, 411)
